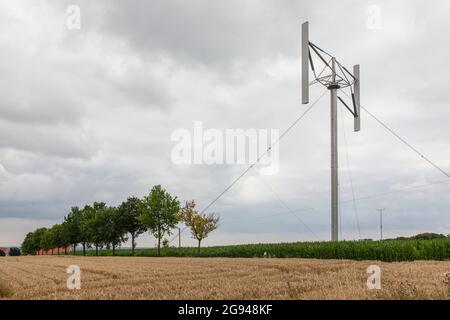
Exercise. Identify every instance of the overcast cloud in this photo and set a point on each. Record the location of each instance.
(87, 115)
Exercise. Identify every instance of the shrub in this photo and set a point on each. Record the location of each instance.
(429, 236)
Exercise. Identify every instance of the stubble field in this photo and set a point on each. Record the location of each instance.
(45, 277)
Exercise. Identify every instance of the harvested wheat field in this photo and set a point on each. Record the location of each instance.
(218, 278)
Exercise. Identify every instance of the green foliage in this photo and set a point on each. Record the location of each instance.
(424, 236)
(87, 230)
(93, 224)
(51, 238)
(102, 226)
(28, 246)
(57, 236)
(72, 227)
(113, 231)
(32, 242)
(46, 240)
(429, 236)
(200, 224)
(97, 225)
(160, 213)
(389, 250)
(129, 212)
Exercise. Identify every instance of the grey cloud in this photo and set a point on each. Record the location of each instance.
(90, 116)
(142, 88)
(31, 93)
(58, 141)
(210, 33)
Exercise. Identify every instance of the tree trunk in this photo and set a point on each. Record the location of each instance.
(96, 250)
(84, 248)
(199, 241)
(65, 250)
(114, 250)
(159, 241)
(132, 244)
(57, 250)
(159, 246)
(74, 249)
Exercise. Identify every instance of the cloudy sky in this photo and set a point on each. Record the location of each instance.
(87, 114)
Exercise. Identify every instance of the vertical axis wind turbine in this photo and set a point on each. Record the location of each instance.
(333, 76)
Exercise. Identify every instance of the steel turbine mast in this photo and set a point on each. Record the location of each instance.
(333, 76)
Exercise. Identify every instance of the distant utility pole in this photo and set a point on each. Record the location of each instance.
(381, 222)
(179, 238)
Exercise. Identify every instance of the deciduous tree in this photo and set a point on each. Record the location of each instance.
(113, 230)
(57, 237)
(160, 213)
(130, 211)
(95, 224)
(72, 227)
(199, 224)
(46, 241)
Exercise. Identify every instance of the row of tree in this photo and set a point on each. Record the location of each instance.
(99, 225)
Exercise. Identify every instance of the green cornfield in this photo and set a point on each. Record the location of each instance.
(386, 250)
